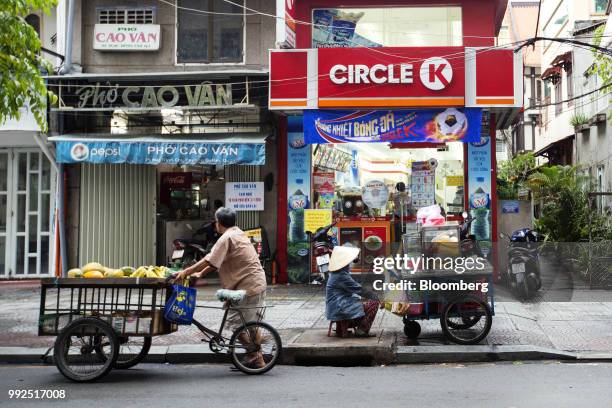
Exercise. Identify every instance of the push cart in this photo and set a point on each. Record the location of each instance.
(463, 303)
(103, 324)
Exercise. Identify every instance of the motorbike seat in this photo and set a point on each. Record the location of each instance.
(234, 296)
(190, 241)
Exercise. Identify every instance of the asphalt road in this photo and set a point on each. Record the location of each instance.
(550, 384)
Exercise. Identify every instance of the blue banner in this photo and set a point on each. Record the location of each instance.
(180, 153)
(298, 199)
(479, 182)
(399, 126)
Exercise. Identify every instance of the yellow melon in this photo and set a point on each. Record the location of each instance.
(93, 266)
(93, 275)
(75, 273)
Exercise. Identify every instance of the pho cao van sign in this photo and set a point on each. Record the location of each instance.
(245, 196)
(126, 37)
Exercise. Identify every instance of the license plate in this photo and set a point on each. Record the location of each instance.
(518, 268)
(178, 253)
(323, 259)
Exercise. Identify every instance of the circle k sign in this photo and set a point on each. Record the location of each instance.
(436, 73)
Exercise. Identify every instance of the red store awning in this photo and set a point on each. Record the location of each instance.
(551, 73)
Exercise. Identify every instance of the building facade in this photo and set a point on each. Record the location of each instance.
(519, 24)
(387, 108)
(162, 117)
(575, 129)
(27, 183)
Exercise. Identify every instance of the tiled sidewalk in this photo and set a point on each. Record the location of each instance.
(569, 326)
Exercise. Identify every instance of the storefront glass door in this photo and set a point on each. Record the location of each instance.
(26, 191)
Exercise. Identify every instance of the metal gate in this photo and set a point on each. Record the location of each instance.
(117, 214)
(27, 186)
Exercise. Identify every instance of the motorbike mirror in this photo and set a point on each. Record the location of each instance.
(502, 235)
(464, 215)
(189, 227)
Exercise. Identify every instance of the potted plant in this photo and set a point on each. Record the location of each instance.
(580, 122)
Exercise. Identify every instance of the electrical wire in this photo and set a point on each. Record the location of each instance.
(449, 57)
(537, 22)
(574, 107)
(297, 80)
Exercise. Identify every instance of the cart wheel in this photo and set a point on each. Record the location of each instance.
(132, 350)
(412, 329)
(472, 310)
(255, 343)
(466, 322)
(75, 353)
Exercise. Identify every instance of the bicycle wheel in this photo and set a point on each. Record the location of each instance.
(255, 348)
(466, 308)
(132, 350)
(75, 352)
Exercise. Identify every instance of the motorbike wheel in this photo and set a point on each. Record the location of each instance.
(523, 289)
(539, 284)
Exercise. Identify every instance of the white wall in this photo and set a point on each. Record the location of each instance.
(557, 127)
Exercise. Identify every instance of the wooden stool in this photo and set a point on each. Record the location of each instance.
(342, 328)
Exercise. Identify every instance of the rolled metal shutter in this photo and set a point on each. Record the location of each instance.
(117, 214)
(244, 219)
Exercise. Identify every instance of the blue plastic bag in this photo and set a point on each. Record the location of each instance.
(181, 305)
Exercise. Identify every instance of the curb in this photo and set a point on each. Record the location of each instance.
(477, 353)
(594, 356)
(17, 282)
(317, 355)
(313, 354)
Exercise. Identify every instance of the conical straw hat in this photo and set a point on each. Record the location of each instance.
(342, 256)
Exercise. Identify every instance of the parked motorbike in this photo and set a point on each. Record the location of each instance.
(188, 251)
(523, 271)
(467, 242)
(322, 249)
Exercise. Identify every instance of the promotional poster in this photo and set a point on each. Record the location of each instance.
(298, 191)
(479, 183)
(426, 125)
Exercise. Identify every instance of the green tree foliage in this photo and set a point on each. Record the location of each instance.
(21, 83)
(512, 175)
(565, 207)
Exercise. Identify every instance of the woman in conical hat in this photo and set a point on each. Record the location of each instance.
(343, 301)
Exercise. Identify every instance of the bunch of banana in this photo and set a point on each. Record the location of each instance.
(149, 272)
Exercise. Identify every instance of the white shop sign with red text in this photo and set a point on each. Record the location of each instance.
(126, 37)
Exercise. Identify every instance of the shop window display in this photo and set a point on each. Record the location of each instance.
(374, 190)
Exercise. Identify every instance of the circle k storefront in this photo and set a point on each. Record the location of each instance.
(374, 130)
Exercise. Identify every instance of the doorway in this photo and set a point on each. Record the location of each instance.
(26, 195)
